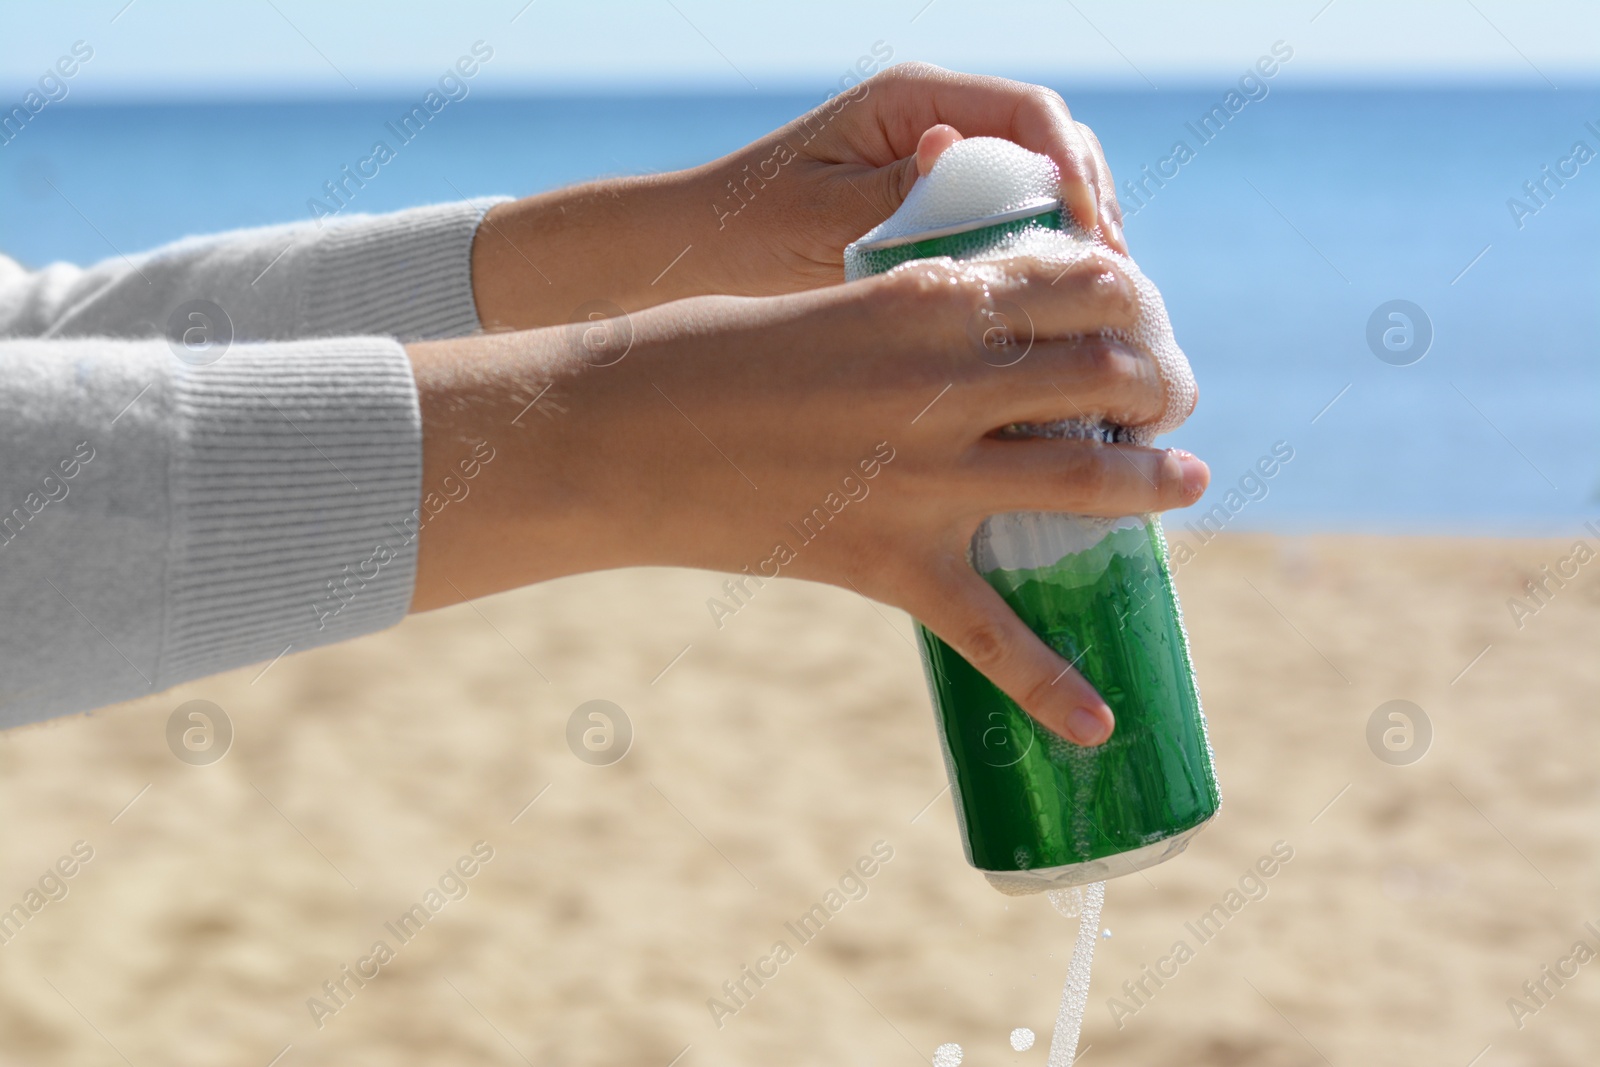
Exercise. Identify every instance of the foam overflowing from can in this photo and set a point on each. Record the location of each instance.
(978, 200)
(987, 201)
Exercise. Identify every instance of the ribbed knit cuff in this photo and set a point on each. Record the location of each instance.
(408, 275)
(293, 472)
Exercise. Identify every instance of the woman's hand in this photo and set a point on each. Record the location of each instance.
(773, 217)
(841, 435)
(788, 204)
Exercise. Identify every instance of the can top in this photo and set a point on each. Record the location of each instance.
(1037, 206)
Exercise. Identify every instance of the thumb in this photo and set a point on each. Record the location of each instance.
(880, 191)
(934, 140)
(886, 188)
(971, 618)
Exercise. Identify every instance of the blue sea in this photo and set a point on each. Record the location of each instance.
(1282, 236)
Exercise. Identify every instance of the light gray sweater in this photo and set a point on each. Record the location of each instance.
(173, 503)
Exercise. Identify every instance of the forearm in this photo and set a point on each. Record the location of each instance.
(626, 244)
(501, 503)
(470, 521)
(620, 244)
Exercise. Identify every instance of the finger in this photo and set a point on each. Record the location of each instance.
(918, 95)
(1110, 208)
(971, 618)
(954, 307)
(932, 146)
(1051, 300)
(1087, 379)
(1075, 477)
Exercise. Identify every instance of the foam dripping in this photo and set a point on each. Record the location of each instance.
(1075, 996)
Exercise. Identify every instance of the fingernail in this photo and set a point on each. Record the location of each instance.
(1088, 209)
(1085, 727)
(1114, 229)
(1196, 475)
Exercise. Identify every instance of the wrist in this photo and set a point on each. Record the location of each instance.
(619, 244)
(521, 433)
(491, 515)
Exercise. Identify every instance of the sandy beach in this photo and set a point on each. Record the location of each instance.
(606, 904)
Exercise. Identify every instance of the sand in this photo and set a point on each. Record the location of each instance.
(767, 760)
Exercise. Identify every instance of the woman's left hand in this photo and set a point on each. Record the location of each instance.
(789, 203)
(773, 217)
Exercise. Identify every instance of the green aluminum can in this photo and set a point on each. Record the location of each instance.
(1037, 812)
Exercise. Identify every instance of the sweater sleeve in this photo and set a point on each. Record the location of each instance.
(405, 275)
(178, 501)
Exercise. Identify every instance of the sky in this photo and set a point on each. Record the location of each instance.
(187, 49)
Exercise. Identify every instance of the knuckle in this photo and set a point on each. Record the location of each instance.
(1107, 364)
(984, 646)
(1048, 99)
(1117, 298)
(1100, 283)
(912, 70)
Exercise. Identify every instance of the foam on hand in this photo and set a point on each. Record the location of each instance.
(981, 178)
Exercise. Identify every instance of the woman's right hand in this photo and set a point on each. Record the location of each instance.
(842, 435)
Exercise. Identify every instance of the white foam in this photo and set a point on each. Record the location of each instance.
(1075, 996)
(973, 179)
(948, 1054)
(1021, 1039)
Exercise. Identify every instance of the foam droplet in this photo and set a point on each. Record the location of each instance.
(1022, 1039)
(948, 1054)
(1105, 935)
